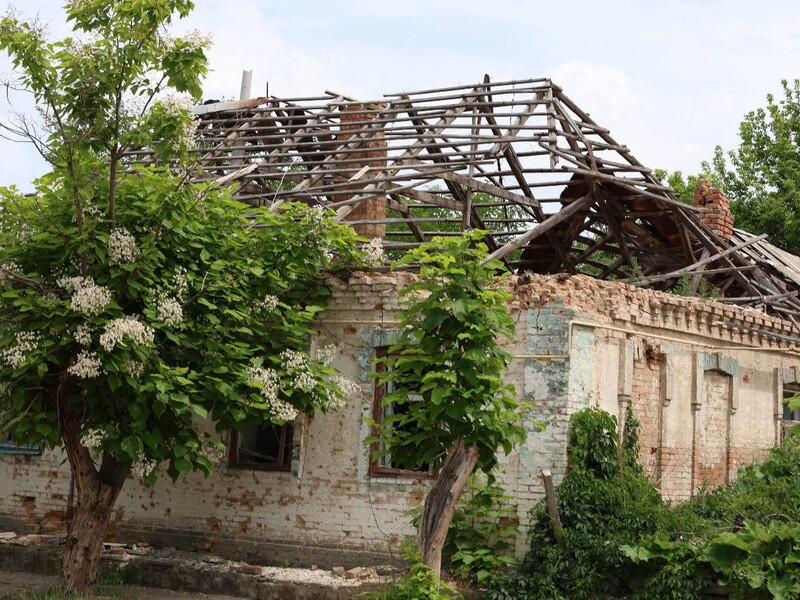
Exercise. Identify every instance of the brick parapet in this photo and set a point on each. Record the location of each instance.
(613, 302)
(609, 301)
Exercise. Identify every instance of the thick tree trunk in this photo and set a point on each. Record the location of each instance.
(96, 493)
(441, 502)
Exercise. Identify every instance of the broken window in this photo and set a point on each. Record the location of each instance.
(790, 417)
(384, 464)
(266, 447)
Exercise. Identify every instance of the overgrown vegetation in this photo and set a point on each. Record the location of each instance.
(479, 544)
(685, 287)
(143, 318)
(452, 409)
(421, 583)
(620, 540)
(762, 176)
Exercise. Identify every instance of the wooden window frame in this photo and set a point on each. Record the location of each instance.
(789, 390)
(375, 468)
(9, 448)
(284, 452)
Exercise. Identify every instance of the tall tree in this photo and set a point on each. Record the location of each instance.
(452, 409)
(762, 176)
(142, 318)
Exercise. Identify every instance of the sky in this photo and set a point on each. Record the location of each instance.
(670, 79)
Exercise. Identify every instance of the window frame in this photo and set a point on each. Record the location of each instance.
(284, 463)
(787, 421)
(375, 468)
(11, 448)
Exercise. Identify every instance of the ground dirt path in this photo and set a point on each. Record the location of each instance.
(11, 582)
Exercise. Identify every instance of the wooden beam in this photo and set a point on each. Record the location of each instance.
(564, 214)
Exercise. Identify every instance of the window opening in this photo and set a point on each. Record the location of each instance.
(384, 464)
(267, 447)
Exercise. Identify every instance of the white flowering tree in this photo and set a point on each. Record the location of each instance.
(142, 318)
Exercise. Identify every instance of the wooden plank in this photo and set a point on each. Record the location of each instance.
(542, 228)
(552, 506)
(709, 257)
(217, 107)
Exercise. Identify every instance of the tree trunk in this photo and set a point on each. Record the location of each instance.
(441, 502)
(96, 493)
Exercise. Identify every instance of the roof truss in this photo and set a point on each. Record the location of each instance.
(555, 191)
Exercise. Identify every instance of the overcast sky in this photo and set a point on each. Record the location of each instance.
(669, 79)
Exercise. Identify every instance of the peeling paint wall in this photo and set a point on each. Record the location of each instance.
(707, 396)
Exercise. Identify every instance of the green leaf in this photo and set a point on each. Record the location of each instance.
(182, 465)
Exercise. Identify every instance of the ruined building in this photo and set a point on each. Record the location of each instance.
(596, 242)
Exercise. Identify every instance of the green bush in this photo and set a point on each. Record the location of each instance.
(480, 540)
(420, 584)
(621, 541)
(479, 543)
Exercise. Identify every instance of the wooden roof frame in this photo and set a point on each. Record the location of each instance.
(555, 190)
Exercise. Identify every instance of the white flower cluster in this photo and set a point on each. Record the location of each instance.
(267, 304)
(293, 360)
(79, 4)
(134, 368)
(267, 381)
(316, 214)
(87, 365)
(213, 451)
(373, 251)
(92, 210)
(87, 297)
(83, 334)
(197, 40)
(334, 403)
(186, 137)
(25, 233)
(305, 381)
(178, 106)
(25, 342)
(170, 311)
(142, 467)
(348, 386)
(9, 268)
(76, 48)
(327, 354)
(122, 246)
(92, 439)
(126, 327)
(180, 282)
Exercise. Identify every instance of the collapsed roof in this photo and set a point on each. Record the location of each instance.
(555, 191)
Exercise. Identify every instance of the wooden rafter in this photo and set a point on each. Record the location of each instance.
(553, 189)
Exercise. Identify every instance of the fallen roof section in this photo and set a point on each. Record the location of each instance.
(519, 159)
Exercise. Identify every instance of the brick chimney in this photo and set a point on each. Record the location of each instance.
(355, 117)
(715, 209)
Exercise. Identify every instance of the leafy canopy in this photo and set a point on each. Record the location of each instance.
(762, 176)
(149, 310)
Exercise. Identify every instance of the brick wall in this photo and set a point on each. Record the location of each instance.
(579, 343)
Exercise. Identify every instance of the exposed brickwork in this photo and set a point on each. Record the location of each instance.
(716, 210)
(573, 337)
(712, 431)
(355, 117)
(646, 406)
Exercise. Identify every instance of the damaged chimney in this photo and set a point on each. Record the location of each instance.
(715, 209)
(356, 118)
